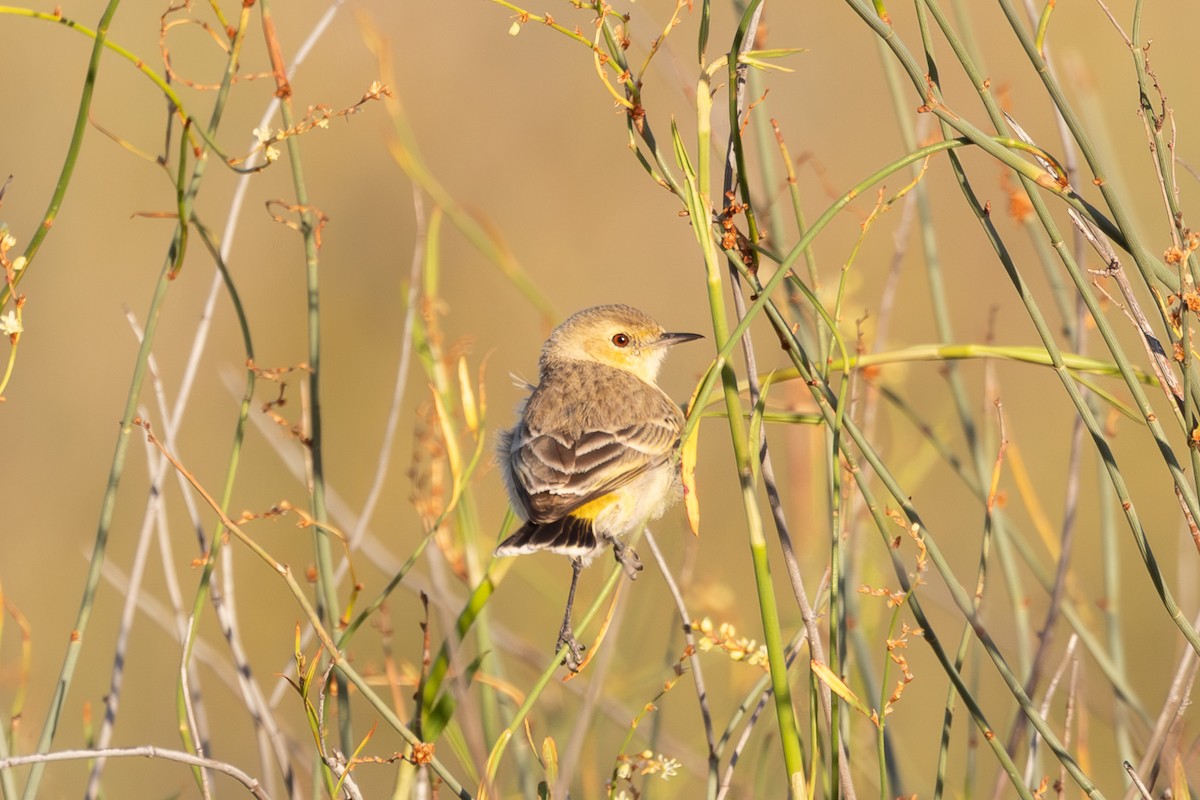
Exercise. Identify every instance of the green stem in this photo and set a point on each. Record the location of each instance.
(328, 604)
(701, 209)
(72, 157)
(100, 41)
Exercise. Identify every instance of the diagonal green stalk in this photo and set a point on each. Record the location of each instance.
(1152, 269)
(1147, 263)
(1080, 402)
(708, 383)
(960, 596)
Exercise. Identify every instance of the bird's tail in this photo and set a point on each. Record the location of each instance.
(570, 536)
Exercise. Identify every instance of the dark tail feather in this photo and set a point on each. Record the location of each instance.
(569, 536)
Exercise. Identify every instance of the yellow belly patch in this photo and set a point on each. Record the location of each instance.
(592, 509)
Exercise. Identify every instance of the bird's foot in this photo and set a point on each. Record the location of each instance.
(628, 559)
(574, 657)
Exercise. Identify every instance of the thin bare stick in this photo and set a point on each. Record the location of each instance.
(1163, 369)
(1138, 786)
(1172, 710)
(694, 657)
(1120, 30)
(146, 751)
(361, 524)
(283, 570)
(132, 594)
(310, 613)
(172, 420)
(267, 729)
(200, 339)
(1051, 689)
(204, 651)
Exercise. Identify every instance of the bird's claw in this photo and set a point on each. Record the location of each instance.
(574, 657)
(628, 559)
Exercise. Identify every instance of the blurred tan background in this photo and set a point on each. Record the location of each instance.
(518, 129)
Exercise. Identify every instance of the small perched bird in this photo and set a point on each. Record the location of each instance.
(594, 455)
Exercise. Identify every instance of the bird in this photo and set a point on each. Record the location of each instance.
(594, 455)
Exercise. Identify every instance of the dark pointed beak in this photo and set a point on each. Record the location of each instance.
(672, 339)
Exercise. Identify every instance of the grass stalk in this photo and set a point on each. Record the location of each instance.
(700, 208)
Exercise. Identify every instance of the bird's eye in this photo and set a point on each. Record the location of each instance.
(621, 340)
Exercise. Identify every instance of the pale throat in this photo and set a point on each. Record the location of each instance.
(643, 362)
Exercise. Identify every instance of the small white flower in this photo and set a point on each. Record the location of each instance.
(18, 263)
(10, 325)
(262, 134)
(271, 154)
(670, 767)
(7, 241)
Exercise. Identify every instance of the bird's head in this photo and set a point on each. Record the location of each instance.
(614, 335)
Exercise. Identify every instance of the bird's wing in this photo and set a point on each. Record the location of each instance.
(558, 472)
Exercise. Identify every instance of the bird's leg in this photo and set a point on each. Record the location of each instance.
(627, 558)
(574, 656)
